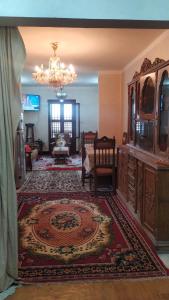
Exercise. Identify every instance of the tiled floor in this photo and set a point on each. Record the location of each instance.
(165, 258)
(152, 289)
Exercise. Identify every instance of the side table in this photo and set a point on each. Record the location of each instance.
(60, 153)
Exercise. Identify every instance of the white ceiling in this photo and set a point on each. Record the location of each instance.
(89, 50)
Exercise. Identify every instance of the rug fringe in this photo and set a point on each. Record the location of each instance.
(94, 281)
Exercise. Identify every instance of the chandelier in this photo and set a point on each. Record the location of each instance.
(57, 74)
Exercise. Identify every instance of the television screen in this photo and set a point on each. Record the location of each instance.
(31, 102)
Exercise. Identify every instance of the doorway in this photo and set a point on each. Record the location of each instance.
(64, 117)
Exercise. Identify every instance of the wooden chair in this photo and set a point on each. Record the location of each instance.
(88, 137)
(104, 161)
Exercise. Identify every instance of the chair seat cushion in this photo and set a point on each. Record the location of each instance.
(103, 171)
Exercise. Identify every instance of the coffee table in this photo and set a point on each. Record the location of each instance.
(60, 153)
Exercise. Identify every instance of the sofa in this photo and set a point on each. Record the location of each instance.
(31, 154)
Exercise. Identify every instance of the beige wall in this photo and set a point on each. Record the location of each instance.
(110, 123)
(159, 48)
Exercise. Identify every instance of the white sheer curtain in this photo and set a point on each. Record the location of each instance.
(12, 56)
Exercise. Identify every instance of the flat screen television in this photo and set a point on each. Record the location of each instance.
(31, 102)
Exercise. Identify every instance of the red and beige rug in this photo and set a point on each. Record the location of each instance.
(53, 181)
(47, 163)
(76, 236)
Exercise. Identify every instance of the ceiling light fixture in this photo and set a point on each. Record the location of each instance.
(61, 94)
(57, 74)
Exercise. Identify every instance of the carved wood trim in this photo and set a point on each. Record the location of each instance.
(136, 75)
(157, 61)
(148, 65)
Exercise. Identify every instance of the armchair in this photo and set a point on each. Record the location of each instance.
(60, 148)
(31, 153)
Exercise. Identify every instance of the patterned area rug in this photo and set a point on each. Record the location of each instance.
(53, 181)
(48, 163)
(75, 236)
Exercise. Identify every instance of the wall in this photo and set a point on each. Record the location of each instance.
(86, 96)
(159, 48)
(110, 122)
(96, 9)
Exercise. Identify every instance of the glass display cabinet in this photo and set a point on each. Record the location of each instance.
(143, 163)
(148, 108)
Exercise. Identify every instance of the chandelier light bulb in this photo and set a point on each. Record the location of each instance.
(62, 65)
(37, 69)
(71, 68)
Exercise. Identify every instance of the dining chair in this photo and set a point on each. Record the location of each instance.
(88, 137)
(104, 162)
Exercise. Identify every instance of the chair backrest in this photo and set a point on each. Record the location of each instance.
(104, 152)
(88, 137)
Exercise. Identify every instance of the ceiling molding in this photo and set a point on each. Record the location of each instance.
(83, 23)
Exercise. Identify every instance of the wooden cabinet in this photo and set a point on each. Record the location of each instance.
(143, 173)
(144, 185)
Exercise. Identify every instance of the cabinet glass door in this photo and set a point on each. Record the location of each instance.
(163, 97)
(147, 97)
(132, 112)
(145, 135)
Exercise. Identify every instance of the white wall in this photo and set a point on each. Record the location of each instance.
(86, 96)
(159, 48)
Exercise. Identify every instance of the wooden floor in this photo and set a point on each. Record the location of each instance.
(150, 289)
